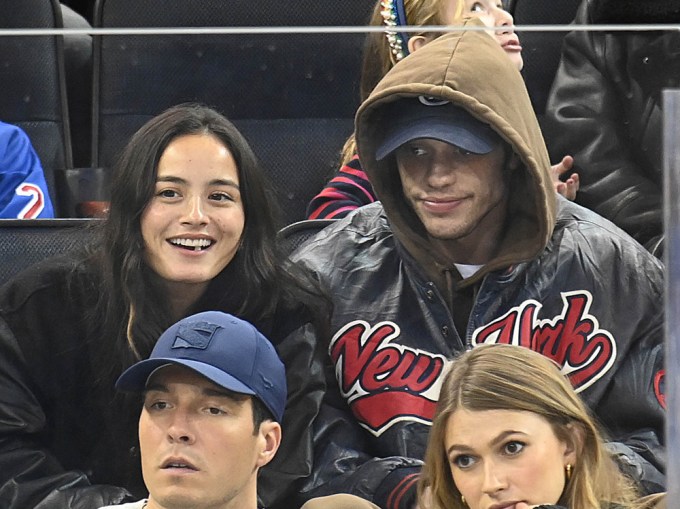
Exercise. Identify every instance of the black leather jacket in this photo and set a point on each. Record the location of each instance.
(393, 335)
(605, 110)
(561, 280)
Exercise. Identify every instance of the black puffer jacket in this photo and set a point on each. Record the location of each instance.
(605, 110)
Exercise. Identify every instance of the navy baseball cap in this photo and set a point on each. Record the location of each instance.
(228, 351)
(430, 117)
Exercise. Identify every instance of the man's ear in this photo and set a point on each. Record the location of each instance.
(415, 42)
(269, 441)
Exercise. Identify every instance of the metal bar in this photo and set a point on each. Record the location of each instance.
(671, 149)
(260, 30)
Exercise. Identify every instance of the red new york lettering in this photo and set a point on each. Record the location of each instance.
(384, 383)
(406, 371)
(513, 328)
(581, 345)
(353, 348)
(365, 356)
(660, 387)
(573, 339)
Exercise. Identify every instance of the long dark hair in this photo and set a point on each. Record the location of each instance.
(132, 310)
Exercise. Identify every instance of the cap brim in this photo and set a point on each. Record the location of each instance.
(135, 378)
(436, 128)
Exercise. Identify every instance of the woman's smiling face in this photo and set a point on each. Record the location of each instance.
(193, 224)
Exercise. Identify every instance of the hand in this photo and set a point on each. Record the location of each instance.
(568, 188)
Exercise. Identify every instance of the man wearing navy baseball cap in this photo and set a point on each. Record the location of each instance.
(214, 394)
(425, 117)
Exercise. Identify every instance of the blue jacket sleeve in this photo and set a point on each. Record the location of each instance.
(23, 188)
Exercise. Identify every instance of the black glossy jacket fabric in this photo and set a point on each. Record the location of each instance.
(68, 442)
(605, 110)
(592, 301)
(564, 282)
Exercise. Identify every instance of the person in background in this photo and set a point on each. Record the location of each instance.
(190, 229)
(509, 431)
(23, 188)
(350, 187)
(470, 244)
(605, 109)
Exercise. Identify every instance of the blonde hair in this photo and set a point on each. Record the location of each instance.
(506, 377)
(378, 58)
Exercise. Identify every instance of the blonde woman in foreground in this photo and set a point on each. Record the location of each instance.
(510, 433)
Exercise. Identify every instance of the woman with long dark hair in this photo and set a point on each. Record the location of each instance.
(191, 227)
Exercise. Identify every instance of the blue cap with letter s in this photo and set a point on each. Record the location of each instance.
(228, 351)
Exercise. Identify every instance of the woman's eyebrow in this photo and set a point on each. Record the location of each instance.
(215, 182)
(500, 438)
(224, 182)
(458, 448)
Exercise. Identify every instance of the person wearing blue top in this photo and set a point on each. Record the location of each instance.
(23, 189)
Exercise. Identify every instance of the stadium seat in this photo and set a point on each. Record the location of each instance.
(24, 242)
(33, 85)
(293, 96)
(294, 235)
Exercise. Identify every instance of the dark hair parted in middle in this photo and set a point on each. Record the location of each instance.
(132, 300)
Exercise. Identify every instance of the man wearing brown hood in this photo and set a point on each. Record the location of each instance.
(471, 245)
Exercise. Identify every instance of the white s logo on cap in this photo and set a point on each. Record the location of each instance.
(432, 101)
